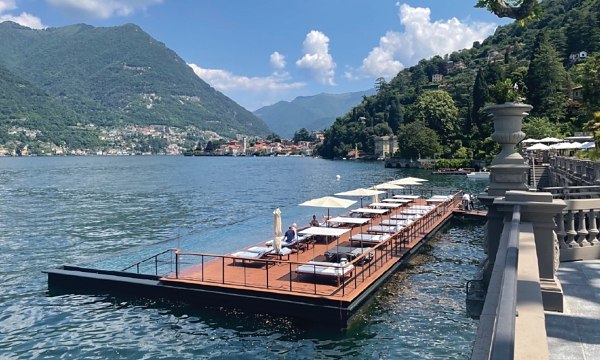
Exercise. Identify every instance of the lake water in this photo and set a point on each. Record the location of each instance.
(106, 211)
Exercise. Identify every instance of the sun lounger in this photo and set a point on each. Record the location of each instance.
(258, 253)
(415, 211)
(395, 222)
(299, 243)
(369, 238)
(325, 269)
(350, 253)
(405, 217)
(384, 229)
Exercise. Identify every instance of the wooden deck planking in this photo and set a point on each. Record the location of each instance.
(252, 275)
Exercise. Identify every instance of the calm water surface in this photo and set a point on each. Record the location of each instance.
(107, 211)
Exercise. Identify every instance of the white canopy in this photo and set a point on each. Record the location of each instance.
(349, 220)
(323, 231)
(588, 145)
(550, 139)
(530, 141)
(370, 211)
(538, 146)
(361, 192)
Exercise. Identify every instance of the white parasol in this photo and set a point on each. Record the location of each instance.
(415, 179)
(386, 186)
(530, 141)
(328, 202)
(550, 139)
(277, 230)
(538, 146)
(361, 193)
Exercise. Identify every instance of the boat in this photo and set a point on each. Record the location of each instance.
(452, 171)
(479, 175)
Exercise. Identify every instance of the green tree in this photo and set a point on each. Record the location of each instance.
(545, 80)
(589, 77)
(380, 84)
(416, 140)
(481, 97)
(383, 129)
(514, 9)
(436, 108)
(540, 127)
(209, 147)
(302, 135)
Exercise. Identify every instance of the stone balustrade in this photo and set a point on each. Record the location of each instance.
(568, 171)
(577, 230)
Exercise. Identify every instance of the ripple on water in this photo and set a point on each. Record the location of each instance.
(81, 210)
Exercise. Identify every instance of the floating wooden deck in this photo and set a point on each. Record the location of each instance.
(272, 285)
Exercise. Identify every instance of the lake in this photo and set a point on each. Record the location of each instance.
(101, 211)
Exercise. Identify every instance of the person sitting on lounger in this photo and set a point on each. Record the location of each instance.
(314, 221)
(289, 235)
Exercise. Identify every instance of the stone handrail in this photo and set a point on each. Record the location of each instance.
(577, 230)
(512, 324)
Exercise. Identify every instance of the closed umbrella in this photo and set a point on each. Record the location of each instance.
(277, 230)
(361, 193)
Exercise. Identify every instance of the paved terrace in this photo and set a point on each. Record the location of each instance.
(575, 334)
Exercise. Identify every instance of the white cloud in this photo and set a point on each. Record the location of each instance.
(24, 19)
(227, 81)
(277, 60)
(101, 9)
(6, 5)
(317, 63)
(421, 39)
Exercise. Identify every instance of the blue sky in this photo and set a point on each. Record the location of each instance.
(261, 51)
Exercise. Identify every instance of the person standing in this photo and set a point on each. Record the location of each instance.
(470, 201)
(465, 201)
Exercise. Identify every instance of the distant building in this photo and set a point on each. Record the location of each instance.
(576, 56)
(492, 53)
(386, 146)
(437, 77)
(577, 95)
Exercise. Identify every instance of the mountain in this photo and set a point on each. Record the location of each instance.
(28, 112)
(541, 57)
(119, 76)
(315, 112)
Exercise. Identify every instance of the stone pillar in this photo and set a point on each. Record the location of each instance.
(540, 209)
(508, 172)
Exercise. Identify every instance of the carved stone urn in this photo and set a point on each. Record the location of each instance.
(509, 171)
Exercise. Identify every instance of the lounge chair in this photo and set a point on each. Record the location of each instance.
(384, 229)
(325, 269)
(301, 242)
(251, 254)
(369, 238)
(405, 217)
(395, 222)
(350, 253)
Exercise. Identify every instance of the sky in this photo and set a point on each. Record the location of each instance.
(259, 52)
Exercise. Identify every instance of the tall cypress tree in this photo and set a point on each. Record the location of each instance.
(480, 98)
(545, 80)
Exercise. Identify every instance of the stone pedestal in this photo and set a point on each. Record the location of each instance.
(508, 172)
(540, 209)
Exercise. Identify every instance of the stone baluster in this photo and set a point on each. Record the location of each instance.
(582, 232)
(560, 233)
(571, 233)
(593, 231)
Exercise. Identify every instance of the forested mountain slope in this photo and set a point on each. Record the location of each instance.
(536, 57)
(120, 75)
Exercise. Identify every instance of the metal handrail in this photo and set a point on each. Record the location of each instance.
(148, 259)
(503, 341)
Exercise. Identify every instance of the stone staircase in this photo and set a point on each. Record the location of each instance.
(541, 175)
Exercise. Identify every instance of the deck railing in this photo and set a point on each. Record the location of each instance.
(193, 266)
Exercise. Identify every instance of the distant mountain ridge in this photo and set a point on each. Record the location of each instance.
(315, 112)
(119, 76)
